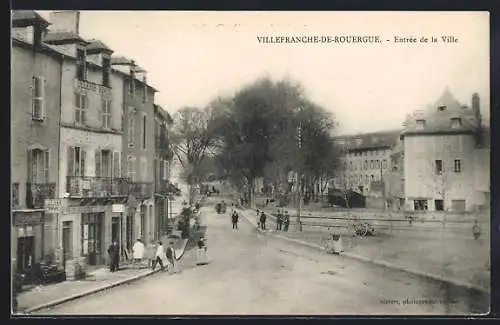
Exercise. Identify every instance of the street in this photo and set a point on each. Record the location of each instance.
(255, 274)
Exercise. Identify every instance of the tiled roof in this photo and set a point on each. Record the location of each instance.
(24, 18)
(97, 46)
(166, 116)
(120, 60)
(63, 37)
(366, 141)
(438, 118)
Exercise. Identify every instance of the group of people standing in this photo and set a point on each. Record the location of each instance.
(154, 254)
(282, 220)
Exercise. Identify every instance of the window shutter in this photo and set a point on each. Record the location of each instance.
(82, 162)
(116, 164)
(71, 161)
(42, 97)
(98, 158)
(47, 165)
(29, 165)
(33, 96)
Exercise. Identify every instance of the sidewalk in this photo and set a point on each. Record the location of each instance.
(43, 297)
(458, 261)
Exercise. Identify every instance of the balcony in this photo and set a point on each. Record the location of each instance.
(141, 190)
(37, 193)
(96, 187)
(93, 87)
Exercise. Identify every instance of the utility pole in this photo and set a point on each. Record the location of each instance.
(299, 173)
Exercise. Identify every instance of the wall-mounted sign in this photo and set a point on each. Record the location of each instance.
(53, 205)
(118, 208)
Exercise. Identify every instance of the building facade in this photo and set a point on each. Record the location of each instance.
(365, 160)
(90, 145)
(138, 145)
(444, 157)
(35, 114)
(163, 190)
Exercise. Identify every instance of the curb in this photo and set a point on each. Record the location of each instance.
(75, 296)
(86, 293)
(385, 264)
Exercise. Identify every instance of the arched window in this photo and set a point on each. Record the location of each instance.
(384, 164)
(371, 164)
(378, 164)
(366, 164)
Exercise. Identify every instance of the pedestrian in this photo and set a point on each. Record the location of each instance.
(151, 253)
(235, 218)
(258, 219)
(286, 221)
(262, 220)
(114, 256)
(279, 220)
(138, 253)
(170, 254)
(159, 256)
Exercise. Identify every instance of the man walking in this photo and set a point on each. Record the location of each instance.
(114, 256)
(262, 221)
(159, 256)
(234, 219)
(170, 253)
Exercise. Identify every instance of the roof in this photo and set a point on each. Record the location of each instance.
(367, 141)
(164, 114)
(121, 60)
(24, 18)
(97, 46)
(438, 118)
(63, 37)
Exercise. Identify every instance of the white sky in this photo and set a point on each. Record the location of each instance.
(191, 57)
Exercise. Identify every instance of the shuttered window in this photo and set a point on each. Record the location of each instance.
(106, 113)
(38, 98)
(131, 168)
(80, 106)
(116, 165)
(76, 161)
(38, 166)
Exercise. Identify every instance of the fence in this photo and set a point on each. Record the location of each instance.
(419, 225)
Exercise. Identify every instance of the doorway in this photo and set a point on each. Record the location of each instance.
(91, 235)
(25, 253)
(67, 241)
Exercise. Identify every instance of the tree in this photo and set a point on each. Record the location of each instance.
(192, 139)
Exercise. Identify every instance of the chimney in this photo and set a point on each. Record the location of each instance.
(67, 20)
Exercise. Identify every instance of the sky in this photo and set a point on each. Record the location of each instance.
(192, 57)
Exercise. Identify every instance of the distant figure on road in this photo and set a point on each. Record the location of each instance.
(262, 220)
(138, 252)
(159, 256)
(258, 219)
(234, 219)
(286, 221)
(114, 256)
(279, 220)
(170, 253)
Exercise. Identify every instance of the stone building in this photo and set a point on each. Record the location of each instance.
(35, 116)
(446, 157)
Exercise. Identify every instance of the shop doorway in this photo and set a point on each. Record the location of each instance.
(91, 234)
(67, 241)
(25, 253)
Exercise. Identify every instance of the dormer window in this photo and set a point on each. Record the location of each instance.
(420, 124)
(456, 122)
(81, 73)
(441, 108)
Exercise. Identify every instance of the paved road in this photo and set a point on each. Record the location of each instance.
(257, 274)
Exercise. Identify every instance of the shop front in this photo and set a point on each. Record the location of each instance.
(28, 238)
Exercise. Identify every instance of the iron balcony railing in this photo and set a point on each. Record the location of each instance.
(93, 187)
(141, 189)
(36, 193)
